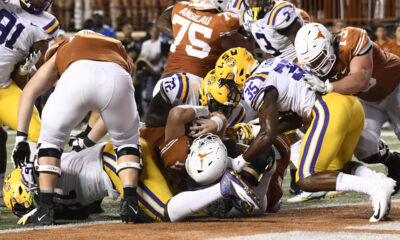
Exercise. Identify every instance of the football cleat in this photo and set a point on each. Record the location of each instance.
(131, 212)
(307, 196)
(333, 194)
(231, 185)
(381, 201)
(42, 215)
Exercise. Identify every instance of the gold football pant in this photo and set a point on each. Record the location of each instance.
(9, 100)
(153, 189)
(330, 140)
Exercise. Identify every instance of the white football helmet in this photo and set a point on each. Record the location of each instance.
(207, 160)
(222, 5)
(314, 48)
(203, 4)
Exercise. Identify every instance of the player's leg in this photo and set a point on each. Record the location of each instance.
(391, 105)
(317, 152)
(231, 186)
(8, 115)
(371, 149)
(122, 120)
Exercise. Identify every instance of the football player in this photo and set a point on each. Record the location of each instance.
(200, 34)
(335, 120)
(25, 31)
(350, 63)
(221, 97)
(274, 25)
(88, 176)
(95, 74)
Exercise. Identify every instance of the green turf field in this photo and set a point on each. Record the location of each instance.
(111, 208)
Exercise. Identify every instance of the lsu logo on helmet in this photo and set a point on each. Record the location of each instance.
(235, 65)
(16, 196)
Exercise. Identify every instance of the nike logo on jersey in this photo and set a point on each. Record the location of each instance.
(344, 70)
(133, 209)
(34, 25)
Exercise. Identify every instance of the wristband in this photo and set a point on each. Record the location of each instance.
(329, 87)
(218, 121)
(88, 142)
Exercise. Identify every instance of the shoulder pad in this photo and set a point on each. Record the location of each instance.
(282, 15)
(175, 88)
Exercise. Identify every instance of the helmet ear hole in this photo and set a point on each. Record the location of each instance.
(241, 72)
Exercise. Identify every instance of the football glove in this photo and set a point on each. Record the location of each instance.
(241, 132)
(78, 144)
(317, 85)
(21, 152)
(30, 61)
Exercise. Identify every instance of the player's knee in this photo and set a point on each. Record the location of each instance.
(48, 150)
(129, 150)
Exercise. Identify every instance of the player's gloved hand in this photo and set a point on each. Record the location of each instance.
(241, 132)
(78, 144)
(21, 152)
(317, 85)
(30, 61)
(25, 219)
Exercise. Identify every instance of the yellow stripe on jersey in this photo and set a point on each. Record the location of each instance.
(110, 166)
(271, 19)
(237, 4)
(50, 29)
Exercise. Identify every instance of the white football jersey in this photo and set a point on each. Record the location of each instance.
(294, 94)
(180, 88)
(19, 30)
(83, 179)
(265, 30)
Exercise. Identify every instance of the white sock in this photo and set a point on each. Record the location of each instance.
(295, 149)
(347, 182)
(363, 171)
(189, 202)
(238, 163)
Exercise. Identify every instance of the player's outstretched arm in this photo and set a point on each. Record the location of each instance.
(268, 114)
(44, 78)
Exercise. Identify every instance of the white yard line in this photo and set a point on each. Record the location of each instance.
(300, 235)
(59, 226)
